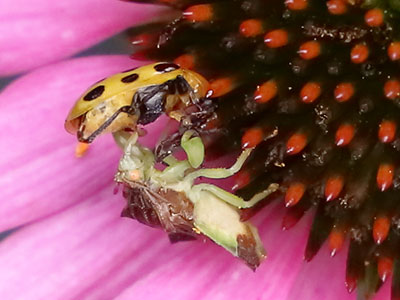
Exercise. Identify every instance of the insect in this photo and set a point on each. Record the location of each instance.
(137, 96)
(170, 199)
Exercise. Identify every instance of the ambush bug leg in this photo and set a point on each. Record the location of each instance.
(233, 199)
(194, 148)
(174, 172)
(218, 173)
(121, 138)
(170, 160)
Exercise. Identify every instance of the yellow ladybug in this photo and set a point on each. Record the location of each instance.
(137, 96)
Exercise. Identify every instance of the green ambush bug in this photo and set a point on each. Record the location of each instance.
(170, 199)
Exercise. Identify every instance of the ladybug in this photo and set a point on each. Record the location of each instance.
(135, 97)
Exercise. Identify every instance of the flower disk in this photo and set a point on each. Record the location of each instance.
(314, 86)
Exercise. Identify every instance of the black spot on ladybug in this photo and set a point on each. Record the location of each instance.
(95, 93)
(166, 67)
(130, 78)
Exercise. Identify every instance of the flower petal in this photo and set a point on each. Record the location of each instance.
(322, 278)
(39, 172)
(88, 252)
(63, 256)
(384, 292)
(209, 272)
(35, 34)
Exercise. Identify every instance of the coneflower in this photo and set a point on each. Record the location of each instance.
(315, 87)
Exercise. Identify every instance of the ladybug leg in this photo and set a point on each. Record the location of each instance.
(129, 109)
(166, 146)
(125, 109)
(196, 121)
(184, 99)
(179, 86)
(205, 106)
(182, 89)
(182, 86)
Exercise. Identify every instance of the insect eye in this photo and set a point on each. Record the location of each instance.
(166, 67)
(95, 93)
(130, 78)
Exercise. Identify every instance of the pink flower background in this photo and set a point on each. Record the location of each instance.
(70, 242)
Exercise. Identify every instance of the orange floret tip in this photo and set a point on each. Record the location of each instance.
(199, 13)
(380, 229)
(252, 137)
(359, 53)
(186, 61)
(343, 92)
(351, 283)
(296, 4)
(336, 7)
(266, 91)
(310, 92)
(374, 17)
(276, 38)
(392, 89)
(336, 240)
(385, 267)
(384, 177)
(294, 193)
(81, 149)
(290, 219)
(394, 51)
(309, 50)
(333, 187)
(296, 143)
(251, 28)
(344, 135)
(220, 86)
(387, 131)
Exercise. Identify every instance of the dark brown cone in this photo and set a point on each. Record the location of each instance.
(329, 104)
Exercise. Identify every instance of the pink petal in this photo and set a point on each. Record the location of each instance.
(88, 252)
(384, 292)
(35, 34)
(322, 278)
(39, 172)
(208, 272)
(63, 257)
